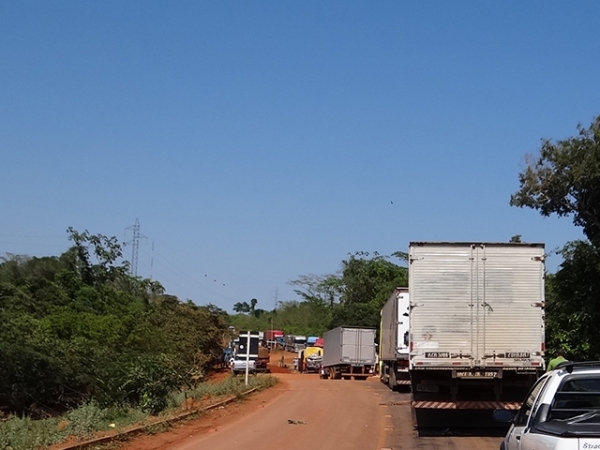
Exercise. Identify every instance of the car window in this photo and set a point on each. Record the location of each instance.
(525, 411)
(575, 396)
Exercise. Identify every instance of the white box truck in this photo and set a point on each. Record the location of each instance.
(476, 323)
(348, 352)
(393, 340)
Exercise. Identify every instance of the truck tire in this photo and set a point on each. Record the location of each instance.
(392, 379)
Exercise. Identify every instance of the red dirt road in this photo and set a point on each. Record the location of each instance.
(327, 414)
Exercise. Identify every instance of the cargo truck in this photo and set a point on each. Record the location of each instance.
(312, 358)
(348, 352)
(271, 337)
(263, 359)
(393, 340)
(476, 323)
(295, 343)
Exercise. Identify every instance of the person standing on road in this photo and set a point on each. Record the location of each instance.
(560, 358)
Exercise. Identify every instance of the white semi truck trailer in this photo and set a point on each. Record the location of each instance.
(476, 323)
(393, 340)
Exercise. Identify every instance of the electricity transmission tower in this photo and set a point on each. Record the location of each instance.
(135, 246)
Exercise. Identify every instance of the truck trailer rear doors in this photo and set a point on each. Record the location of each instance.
(476, 305)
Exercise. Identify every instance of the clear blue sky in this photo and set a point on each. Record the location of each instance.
(258, 141)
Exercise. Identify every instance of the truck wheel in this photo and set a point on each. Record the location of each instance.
(392, 379)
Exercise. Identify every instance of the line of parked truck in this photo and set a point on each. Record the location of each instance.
(466, 333)
(344, 352)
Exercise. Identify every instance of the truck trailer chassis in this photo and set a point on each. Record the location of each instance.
(348, 371)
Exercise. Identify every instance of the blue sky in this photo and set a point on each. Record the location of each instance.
(260, 141)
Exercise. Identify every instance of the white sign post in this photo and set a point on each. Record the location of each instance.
(247, 356)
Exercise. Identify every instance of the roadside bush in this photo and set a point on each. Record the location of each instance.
(86, 420)
(26, 434)
(149, 382)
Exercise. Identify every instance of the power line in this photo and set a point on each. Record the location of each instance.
(177, 271)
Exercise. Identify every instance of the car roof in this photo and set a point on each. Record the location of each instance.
(589, 367)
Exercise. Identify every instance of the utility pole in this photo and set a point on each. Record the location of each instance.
(276, 300)
(136, 246)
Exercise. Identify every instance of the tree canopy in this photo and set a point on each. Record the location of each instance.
(564, 179)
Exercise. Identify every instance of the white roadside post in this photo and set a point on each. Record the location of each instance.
(247, 356)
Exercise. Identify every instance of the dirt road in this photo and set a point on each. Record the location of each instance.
(305, 412)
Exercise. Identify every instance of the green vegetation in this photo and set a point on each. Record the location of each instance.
(85, 421)
(353, 297)
(564, 179)
(79, 329)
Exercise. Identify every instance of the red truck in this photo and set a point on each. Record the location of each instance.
(271, 337)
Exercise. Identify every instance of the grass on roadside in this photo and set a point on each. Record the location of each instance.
(27, 434)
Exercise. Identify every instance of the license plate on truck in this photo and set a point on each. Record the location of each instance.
(476, 374)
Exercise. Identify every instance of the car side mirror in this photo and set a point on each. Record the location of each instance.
(503, 415)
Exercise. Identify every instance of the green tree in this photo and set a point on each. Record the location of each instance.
(573, 302)
(78, 327)
(564, 179)
(320, 288)
(241, 307)
(367, 283)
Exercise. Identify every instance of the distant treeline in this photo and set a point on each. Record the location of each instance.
(352, 297)
(78, 327)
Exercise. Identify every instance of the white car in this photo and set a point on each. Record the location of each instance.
(561, 411)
